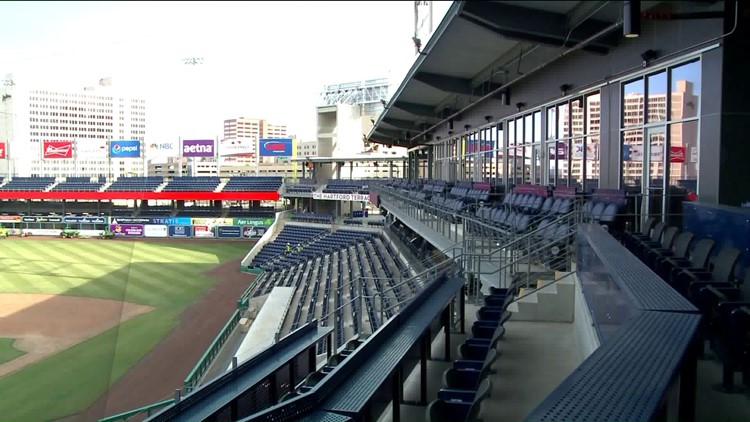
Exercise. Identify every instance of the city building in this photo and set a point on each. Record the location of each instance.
(243, 127)
(51, 131)
(307, 149)
(345, 113)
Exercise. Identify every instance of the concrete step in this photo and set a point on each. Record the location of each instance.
(550, 300)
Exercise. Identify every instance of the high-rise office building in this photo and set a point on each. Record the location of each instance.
(52, 131)
(243, 127)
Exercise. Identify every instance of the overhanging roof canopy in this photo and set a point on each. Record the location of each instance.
(479, 48)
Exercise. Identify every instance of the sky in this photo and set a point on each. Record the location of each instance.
(260, 59)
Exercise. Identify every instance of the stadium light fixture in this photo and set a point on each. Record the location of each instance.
(631, 20)
(193, 61)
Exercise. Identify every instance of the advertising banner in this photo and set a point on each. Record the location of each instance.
(52, 150)
(203, 231)
(91, 148)
(2, 150)
(249, 232)
(10, 218)
(677, 154)
(164, 149)
(237, 146)
(341, 196)
(561, 153)
(152, 220)
(198, 148)
(131, 230)
(85, 220)
(212, 221)
(50, 219)
(155, 230)
(122, 148)
(229, 231)
(42, 232)
(180, 231)
(276, 147)
(180, 221)
(255, 222)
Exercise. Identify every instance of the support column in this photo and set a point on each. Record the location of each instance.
(430, 161)
(735, 114)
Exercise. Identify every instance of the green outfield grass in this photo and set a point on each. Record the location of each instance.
(7, 351)
(164, 275)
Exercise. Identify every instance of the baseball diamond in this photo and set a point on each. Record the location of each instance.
(93, 327)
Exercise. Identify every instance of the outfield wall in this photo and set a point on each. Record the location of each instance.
(134, 227)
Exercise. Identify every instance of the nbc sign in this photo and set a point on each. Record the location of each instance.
(57, 149)
(198, 148)
(2, 150)
(121, 148)
(164, 149)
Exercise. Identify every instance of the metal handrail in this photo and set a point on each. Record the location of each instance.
(531, 292)
(528, 252)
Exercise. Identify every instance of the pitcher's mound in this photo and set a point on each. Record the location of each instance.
(46, 324)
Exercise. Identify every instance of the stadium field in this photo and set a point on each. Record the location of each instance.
(77, 315)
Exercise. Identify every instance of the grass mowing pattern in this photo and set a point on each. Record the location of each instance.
(7, 351)
(164, 275)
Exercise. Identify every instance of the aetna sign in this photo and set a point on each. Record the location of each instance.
(2, 150)
(198, 148)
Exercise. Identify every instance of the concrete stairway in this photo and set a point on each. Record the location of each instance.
(549, 303)
(221, 185)
(161, 187)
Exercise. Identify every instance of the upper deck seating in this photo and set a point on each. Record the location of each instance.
(136, 184)
(28, 184)
(79, 184)
(311, 217)
(253, 184)
(194, 184)
(303, 186)
(346, 186)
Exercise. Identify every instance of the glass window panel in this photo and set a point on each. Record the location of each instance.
(562, 121)
(593, 113)
(551, 123)
(632, 103)
(576, 107)
(683, 155)
(632, 158)
(528, 126)
(511, 133)
(563, 164)
(537, 127)
(519, 131)
(538, 164)
(576, 162)
(685, 92)
(657, 97)
(592, 163)
(499, 164)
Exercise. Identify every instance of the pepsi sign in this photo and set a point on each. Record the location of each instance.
(125, 148)
(272, 147)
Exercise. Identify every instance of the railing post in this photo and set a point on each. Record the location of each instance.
(360, 304)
